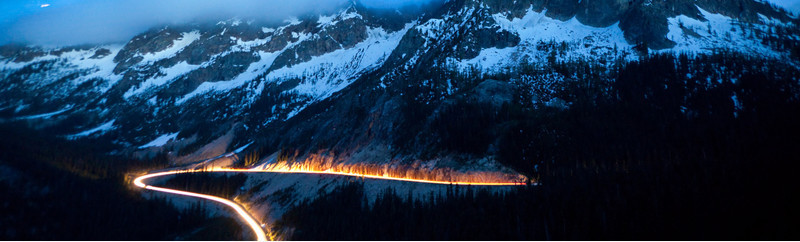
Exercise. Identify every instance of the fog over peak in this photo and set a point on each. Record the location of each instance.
(74, 22)
(791, 5)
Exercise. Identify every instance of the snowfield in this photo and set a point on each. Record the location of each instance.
(718, 32)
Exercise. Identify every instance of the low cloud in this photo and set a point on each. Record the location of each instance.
(791, 5)
(104, 21)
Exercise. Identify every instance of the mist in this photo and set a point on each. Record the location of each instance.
(792, 6)
(74, 22)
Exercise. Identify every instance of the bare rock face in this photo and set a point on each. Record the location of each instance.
(484, 34)
(562, 10)
(493, 92)
(20, 53)
(744, 10)
(602, 12)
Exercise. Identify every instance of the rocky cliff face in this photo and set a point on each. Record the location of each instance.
(351, 82)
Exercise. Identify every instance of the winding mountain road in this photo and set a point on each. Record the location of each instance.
(261, 235)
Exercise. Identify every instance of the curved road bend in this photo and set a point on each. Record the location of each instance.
(260, 235)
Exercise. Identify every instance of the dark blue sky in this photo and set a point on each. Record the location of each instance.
(69, 22)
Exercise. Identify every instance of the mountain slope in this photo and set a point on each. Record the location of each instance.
(360, 83)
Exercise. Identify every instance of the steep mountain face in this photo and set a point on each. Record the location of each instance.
(360, 84)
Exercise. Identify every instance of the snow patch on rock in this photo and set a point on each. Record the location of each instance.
(160, 141)
(103, 128)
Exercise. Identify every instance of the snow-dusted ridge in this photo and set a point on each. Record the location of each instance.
(178, 45)
(336, 70)
(536, 29)
(85, 62)
(718, 32)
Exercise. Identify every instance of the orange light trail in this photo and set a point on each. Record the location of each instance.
(380, 177)
(260, 235)
(413, 172)
(316, 167)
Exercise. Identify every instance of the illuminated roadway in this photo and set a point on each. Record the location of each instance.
(260, 235)
(251, 222)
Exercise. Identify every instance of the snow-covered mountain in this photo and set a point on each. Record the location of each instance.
(343, 82)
